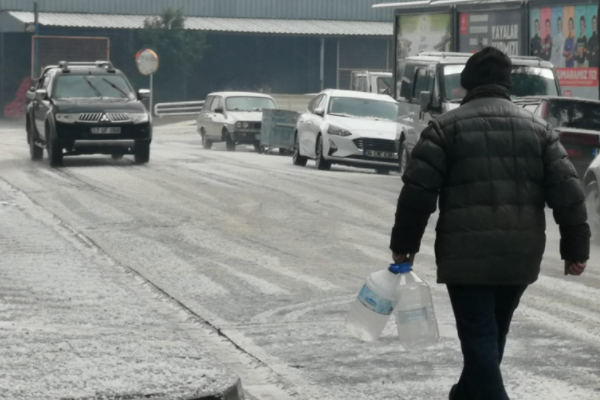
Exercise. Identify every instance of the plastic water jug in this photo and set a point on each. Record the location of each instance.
(375, 303)
(415, 317)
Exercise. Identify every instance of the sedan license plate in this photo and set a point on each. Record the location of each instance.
(381, 154)
(106, 130)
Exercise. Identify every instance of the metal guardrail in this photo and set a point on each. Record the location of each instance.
(293, 102)
(178, 109)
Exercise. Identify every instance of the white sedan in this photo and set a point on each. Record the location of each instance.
(351, 128)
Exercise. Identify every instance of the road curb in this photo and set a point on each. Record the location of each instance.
(233, 392)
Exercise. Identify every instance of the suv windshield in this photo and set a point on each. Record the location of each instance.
(573, 114)
(92, 86)
(527, 81)
(363, 108)
(249, 103)
(384, 84)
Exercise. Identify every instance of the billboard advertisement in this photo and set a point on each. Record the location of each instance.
(423, 32)
(500, 29)
(568, 37)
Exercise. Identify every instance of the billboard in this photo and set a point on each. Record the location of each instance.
(568, 37)
(500, 29)
(423, 32)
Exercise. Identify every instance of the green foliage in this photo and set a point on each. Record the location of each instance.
(180, 51)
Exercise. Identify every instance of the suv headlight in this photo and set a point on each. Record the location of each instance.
(238, 125)
(334, 130)
(139, 118)
(67, 118)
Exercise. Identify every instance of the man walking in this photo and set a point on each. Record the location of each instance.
(494, 166)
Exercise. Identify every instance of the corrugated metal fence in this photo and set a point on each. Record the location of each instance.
(354, 10)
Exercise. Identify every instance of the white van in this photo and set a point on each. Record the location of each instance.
(372, 82)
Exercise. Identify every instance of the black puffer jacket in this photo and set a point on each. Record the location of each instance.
(494, 166)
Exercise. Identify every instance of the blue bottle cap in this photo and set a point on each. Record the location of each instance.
(401, 268)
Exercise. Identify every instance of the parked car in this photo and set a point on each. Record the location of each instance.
(234, 118)
(372, 82)
(428, 85)
(87, 108)
(591, 181)
(350, 128)
(577, 122)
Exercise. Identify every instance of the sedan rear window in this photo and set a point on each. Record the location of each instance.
(573, 114)
(92, 86)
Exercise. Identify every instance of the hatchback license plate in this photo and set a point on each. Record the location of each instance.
(381, 154)
(106, 130)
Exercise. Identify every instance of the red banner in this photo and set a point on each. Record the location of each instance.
(578, 77)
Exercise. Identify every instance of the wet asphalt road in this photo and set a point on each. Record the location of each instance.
(272, 255)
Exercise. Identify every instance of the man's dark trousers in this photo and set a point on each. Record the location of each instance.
(483, 315)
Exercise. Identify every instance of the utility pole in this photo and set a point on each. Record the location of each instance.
(36, 23)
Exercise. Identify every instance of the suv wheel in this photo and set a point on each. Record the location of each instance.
(35, 152)
(297, 158)
(592, 204)
(142, 154)
(55, 152)
(322, 163)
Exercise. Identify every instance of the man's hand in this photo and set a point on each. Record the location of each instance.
(574, 267)
(400, 258)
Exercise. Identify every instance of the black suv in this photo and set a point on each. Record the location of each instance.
(87, 108)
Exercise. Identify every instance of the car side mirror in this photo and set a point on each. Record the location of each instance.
(143, 94)
(41, 94)
(320, 112)
(425, 100)
(219, 110)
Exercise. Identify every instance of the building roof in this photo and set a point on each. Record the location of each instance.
(211, 24)
(344, 10)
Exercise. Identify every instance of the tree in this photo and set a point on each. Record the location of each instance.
(180, 51)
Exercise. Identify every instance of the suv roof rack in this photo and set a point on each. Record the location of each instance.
(531, 58)
(64, 65)
(443, 54)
